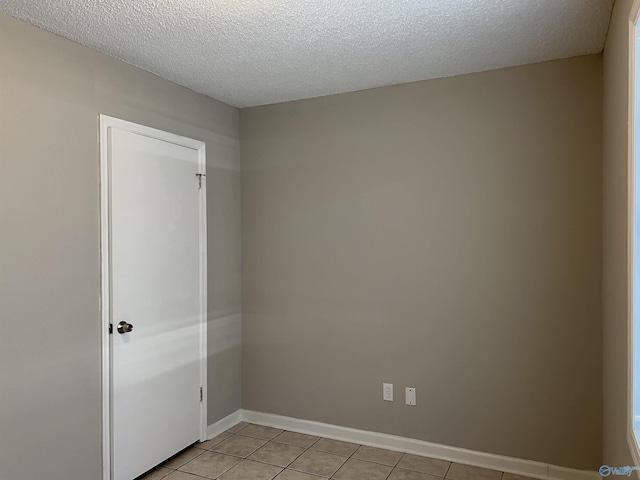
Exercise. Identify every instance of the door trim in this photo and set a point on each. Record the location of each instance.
(634, 23)
(105, 123)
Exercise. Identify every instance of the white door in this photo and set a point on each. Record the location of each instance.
(157, 274)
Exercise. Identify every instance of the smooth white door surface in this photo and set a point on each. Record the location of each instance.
(156, 287)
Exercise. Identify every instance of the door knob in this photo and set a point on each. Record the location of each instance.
(124, 327)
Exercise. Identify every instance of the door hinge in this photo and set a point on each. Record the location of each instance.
(200, 393)
(111, 328)
(200, 175)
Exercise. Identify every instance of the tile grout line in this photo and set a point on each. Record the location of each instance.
(239, 458)
(447, 472)
(183, 451)
(320, 451)
(304, 450)
(268, 441)
(368, 461)
(393, 467)
(345, 462)
(272, 464)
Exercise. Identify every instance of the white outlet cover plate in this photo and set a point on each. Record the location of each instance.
(410, 395)
(387, 392)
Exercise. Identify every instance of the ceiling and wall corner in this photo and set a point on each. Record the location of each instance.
(256, 52)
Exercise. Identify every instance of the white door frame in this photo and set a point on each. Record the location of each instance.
(106, 123)
(634, 15)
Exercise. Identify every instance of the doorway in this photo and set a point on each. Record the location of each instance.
(154, 294)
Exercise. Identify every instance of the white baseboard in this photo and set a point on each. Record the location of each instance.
(517, 466)
(565, 473)
(224, 424)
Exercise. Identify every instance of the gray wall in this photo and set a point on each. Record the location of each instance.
(615, 284)
(444, 235)
(51, 92)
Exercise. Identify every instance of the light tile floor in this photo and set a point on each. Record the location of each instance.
(254, 452)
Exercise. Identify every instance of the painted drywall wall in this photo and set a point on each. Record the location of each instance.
(51, 92)
(444, 235)
(615, 280)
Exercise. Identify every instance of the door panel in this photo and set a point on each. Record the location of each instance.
(155, 286)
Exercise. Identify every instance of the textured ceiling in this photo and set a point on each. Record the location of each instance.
(254, 52)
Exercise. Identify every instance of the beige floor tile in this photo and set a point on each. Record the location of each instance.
(248, 470)
(402, 474)
(156, 474)
(213, 441)
(277, 454)
(183, 457)
(237, 427)
(512, 476)
(335, 446)
(361, 470)
(238, 445)
(424, 464)
(378, 455)
(293, 475)
(296, 439)
(466, 472)
(318, 463)
(177, 475)
(210, 464)
(258, 431)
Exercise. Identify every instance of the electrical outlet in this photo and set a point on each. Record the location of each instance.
(387, 392)
(410, 395)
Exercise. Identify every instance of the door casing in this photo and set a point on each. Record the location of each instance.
(105, 123)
